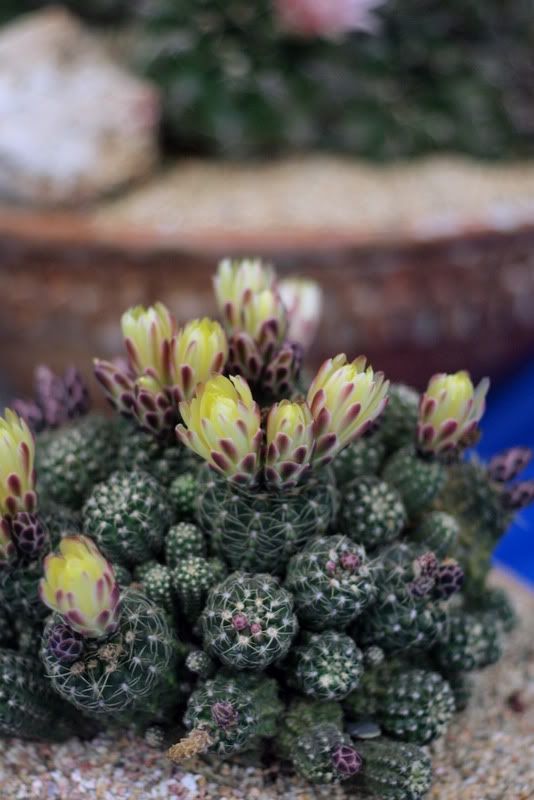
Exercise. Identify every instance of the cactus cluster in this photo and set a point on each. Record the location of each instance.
(320, 580)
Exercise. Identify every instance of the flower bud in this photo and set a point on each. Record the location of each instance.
(345, 399)
(303, 300)
(289, 445)
(222, 425)
(199, 351)
(235, 283)
(80, 584)
(264, 319)
(17, 473)
(147, 335)
(450, 411)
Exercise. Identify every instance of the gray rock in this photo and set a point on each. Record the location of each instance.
(73, 124)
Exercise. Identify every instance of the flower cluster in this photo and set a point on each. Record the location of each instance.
(80, 584)
(268, 323)
(164, 365)
(222, 423)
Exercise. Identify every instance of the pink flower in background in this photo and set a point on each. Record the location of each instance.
(327, 18)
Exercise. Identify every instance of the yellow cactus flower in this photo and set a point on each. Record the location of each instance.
(236, 282)
(17, 473)
(303, 300)
(345, 399)
(450, 411)
(147, 334)
(222, 425)
(200, 351)
(80, 584)
(289, 443)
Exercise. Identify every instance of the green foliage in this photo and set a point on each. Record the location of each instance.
(183, 541)
(417, 480)
(192, 578)
(471, 641)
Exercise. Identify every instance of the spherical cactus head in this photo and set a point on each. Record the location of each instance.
(327, 667)
(449, 578)
(332, 582)
(346, 760)
(65, 644)
(248, 621)
(450, 411)
(289, 443)
(345, 400)
(80, 584)
(29, 534)
(371, 512)
(222, 425)
(17, 473)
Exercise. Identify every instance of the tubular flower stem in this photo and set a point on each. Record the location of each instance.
(222, 425)
(80, 584)
(17, 472)
(345, 399)
(449, 412)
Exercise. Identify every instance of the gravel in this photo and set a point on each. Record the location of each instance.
(309, 195)
(487, 754)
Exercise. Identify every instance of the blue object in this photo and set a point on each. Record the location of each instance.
(509, 421)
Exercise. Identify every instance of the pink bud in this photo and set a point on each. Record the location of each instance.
(240, 621)
(255, 629)
(350, 561)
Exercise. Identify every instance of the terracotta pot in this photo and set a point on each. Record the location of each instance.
(414, 306)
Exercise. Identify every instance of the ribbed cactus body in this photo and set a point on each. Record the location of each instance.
(156, 584)
(72, 460)
(183, 541)
(417, 480)
(371, 512)
(324, 754)
(360, 459)
(59, 521)
(139, 450)
(128, 516)
(232, 711)
(413, 705)
(183, 492)
(248, 621)
(471, 495)
(471, 641)
(124, 672)
(28, 706)
(300, 717)
(393, 770)
(327, 666)
(192, 578)
(19, 591)
(461, 684)
(405, 614)
(332, 582)
(495, 602)
(398, 422)
(437, 531)
(259, 530)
